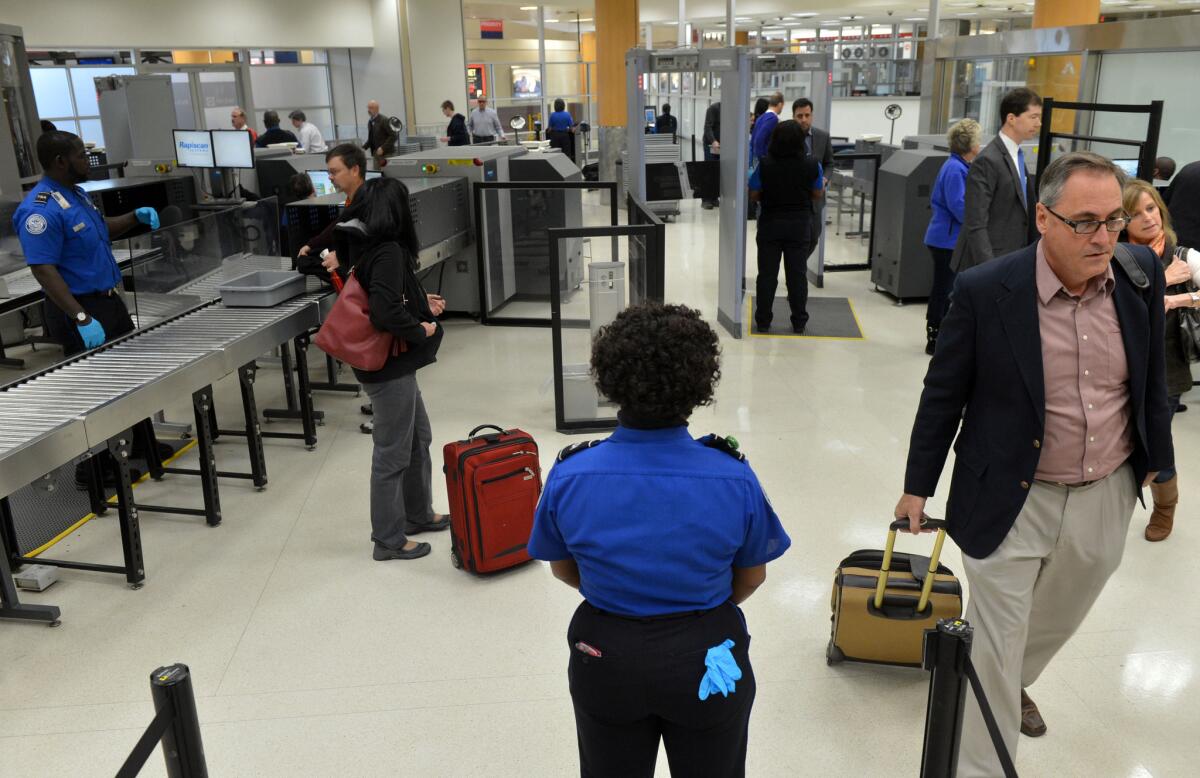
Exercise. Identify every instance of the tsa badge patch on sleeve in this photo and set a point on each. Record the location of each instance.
(35, 224)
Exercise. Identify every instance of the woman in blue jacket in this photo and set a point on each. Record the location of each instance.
(946, 202)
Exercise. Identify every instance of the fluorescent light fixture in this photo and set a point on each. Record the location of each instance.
(809, 14)
(529, 8)
(972, 13)
(916, 18)
(552, 21)
(1140, 7)
(672, 24)
(588, 19)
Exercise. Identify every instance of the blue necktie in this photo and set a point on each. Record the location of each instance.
(1021, 174)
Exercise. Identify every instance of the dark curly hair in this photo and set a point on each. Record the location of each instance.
(657, 361)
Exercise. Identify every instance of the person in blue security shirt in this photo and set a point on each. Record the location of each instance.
(66, 244)
(664, 536)
(561, 129)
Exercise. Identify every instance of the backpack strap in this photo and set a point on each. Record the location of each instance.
(1129, 264)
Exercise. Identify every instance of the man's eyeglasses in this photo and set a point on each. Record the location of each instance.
(1115, 224)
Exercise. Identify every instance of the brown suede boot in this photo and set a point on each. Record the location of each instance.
(1166, 496)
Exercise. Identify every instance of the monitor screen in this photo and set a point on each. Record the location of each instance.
(193, 148)
(374, 174)
(321, 183)
(1130, 166)
(232, 148)
(650, 116)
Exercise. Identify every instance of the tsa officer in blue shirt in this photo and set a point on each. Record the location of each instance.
(664, 535)
(66, 243)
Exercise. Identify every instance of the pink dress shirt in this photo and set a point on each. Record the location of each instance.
(1088, 432)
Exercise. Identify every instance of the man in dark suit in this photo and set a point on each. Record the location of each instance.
(381, 138)
(1051, 362)
(712, 144)
(998, 207)
(816, 143)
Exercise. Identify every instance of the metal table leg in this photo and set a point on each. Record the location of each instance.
(307, 416)
(293, 410)
(11, 606)
(202, 407)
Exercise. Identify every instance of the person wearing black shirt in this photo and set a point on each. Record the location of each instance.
(377, 239)
(666, 124)
(785, 184)
(456, 131)
(712, 143)
(273, 133)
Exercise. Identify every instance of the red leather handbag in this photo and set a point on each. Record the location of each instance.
(348, 335)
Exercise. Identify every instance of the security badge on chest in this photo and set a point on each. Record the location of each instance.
(62, 201)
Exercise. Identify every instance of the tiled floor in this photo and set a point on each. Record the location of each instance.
(312, 660)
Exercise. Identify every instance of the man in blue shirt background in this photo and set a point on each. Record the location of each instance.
(663, 535)
(760, 140)
(66, 244)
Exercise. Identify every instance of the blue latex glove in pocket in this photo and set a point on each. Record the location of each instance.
(92, 333)
(147, 215)
(722, 671)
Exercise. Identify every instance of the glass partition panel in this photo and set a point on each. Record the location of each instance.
(577, 317)
(183, 264)
(1158, 76)
(512, 220)
(293, 85)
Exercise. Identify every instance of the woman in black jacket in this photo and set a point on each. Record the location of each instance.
(377, 237)
(785, 183)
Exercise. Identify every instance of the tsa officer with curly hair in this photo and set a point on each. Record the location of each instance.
(664, 535)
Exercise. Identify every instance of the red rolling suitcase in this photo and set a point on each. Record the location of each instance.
(493, 481)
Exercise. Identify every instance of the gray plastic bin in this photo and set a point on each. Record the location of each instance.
(261, 288)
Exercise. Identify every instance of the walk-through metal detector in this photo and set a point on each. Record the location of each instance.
(743, 76)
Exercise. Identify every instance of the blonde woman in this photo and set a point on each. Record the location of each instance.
(946, 202)
(1150, 225)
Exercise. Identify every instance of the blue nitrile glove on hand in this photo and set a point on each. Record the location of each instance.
(147, 215)
(92, 334)
(722, 671)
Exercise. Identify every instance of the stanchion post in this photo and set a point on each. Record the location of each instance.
(183, 750)
(946, 652)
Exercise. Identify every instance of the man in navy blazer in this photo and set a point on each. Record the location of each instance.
(1049, 367)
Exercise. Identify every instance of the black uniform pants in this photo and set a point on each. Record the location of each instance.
(787, 239)
(108, 309)
(646, 686)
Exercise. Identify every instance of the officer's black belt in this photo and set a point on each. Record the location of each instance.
(104, 293)
(659, 617)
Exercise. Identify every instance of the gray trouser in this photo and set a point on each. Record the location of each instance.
(1030, 595)
(401, 489)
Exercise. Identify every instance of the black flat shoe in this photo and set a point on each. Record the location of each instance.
(368, 409)
(415, 527)
(383, 553)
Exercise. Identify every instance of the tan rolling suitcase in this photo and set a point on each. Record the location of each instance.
(883, 602)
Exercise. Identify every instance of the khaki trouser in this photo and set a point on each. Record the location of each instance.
(1030, 595)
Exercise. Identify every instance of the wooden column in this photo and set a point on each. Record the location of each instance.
(616, 33)
(1058, 76)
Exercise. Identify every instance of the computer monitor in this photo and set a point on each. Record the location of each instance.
(233, 148)
(374, 174)
(321, 183)
(194, 148)
(1130, 166)
(651, 117)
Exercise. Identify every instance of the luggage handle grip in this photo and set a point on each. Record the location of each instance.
(472, 433)
(927, 588)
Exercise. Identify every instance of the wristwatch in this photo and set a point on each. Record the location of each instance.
(81, 317)
(1195, 297)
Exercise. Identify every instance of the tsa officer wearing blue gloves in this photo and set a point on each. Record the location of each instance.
(66, 243)
(664, 535)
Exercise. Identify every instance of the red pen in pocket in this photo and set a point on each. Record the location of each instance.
(589, 650)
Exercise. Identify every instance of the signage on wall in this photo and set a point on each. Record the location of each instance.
(476, 81)
(491, 28)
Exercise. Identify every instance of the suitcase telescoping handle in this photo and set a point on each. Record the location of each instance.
(475, 431)
(927, 588)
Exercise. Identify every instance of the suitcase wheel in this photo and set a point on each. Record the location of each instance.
(455, 559)
(833, 654)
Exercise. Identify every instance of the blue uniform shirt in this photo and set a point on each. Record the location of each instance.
(656, 521)
(60, 226)
(561, 120)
